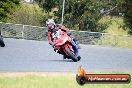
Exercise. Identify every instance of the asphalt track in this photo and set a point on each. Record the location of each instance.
(29, 55)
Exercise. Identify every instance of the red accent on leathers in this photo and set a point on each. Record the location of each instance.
(49, 36)
(62, 28)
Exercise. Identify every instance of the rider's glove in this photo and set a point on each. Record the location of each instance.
(51, 43)
(69, 34)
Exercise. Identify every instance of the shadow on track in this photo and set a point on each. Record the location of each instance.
(67, 60)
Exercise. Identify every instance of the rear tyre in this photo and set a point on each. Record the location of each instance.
(71, 54)
(79, 58)
(1, 41)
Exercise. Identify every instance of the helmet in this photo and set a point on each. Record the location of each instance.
(50, 23)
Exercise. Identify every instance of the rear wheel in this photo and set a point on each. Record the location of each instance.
(71, 54)
(79, 58)
(1, 41)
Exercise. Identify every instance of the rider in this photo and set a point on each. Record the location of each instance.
(52, 27)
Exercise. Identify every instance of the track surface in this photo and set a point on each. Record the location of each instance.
(29, 55)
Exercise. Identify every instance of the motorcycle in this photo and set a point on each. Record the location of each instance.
(2, 44)
(64, 45)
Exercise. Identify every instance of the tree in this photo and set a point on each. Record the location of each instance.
(7, 7)
(85, 14)
(124, 9)
(47, 5)
(29, 14)
(128, 14)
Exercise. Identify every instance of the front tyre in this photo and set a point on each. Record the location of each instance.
(71, 54)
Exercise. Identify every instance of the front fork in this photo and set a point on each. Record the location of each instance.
(75, 47)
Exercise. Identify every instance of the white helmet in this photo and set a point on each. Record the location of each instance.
(50, 23)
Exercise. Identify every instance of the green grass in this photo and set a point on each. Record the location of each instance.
(115, 25)
(118, 40)
(42, 80)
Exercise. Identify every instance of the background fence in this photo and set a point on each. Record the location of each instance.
(28, 32)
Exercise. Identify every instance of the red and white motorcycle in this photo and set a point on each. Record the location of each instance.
(65, 45)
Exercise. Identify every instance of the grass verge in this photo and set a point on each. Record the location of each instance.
(48, 80)
(117, 41)
(115, 26)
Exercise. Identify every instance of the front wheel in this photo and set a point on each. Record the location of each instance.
(71, 54)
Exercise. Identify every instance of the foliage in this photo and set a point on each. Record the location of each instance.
(114, 25)
(7, 7)
(47, 5)
(128, 14)
(124, 10)
(81, 14)
(29, 14)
